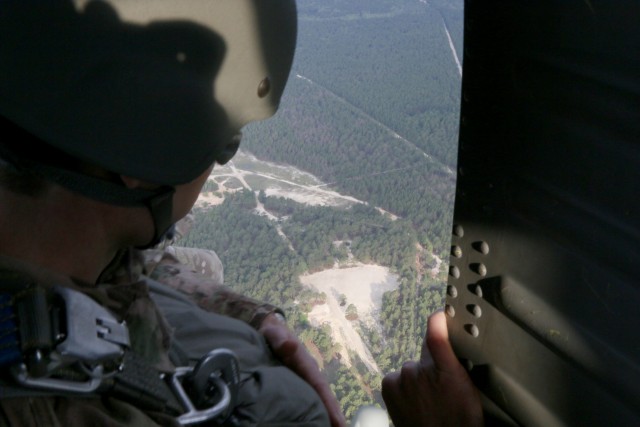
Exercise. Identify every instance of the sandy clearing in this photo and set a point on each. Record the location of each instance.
(209, 199)
(307, 197)
(363, 285)
(284, 181)
(294, 173)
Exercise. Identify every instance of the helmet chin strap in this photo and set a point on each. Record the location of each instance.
(158, 201)
(161, 208)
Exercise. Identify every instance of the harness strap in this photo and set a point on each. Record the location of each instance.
(139, 382)
(9, 344)
(59, 342)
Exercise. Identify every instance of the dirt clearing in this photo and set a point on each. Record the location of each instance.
(363, 286)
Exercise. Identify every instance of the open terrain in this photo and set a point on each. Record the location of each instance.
(361, 285)
(275, 180)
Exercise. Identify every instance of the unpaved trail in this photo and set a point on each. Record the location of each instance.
(453, 48)
(239, 176)
(451, 45)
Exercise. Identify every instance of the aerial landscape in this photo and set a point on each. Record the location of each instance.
(339, 208)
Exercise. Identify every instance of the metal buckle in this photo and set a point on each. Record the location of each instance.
(90, 336)
(212, 384)
(21, 375)
(93, 335)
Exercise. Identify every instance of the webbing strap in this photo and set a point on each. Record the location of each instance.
(138, 383)
(141, 383)
(59, 342)
(159, 201)
(26, 327)
(9, 343)
(10, 391)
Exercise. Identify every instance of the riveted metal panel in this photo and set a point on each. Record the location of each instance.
(544, 285)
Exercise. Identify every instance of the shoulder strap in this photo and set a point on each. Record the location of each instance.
(69, 345)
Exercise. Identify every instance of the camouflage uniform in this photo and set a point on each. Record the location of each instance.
(161, 319)
(150, 336)
(198, 273)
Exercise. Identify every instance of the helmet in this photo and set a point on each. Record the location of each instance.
(152, 89)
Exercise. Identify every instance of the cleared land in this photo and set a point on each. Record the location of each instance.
(275, 180)
(363, 286)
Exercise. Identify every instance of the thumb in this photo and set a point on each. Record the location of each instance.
(436, 346)
(279, 340)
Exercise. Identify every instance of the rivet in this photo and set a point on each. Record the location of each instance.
(468, 364)
(264, 87)
(181, 57)
(478, 290)
(456, 251)
(472, 330)
(482, 270)
(454, 271)
(476, 310)
(460, 171)
(452, 291)
(458, 231)
(451, 312)
(484, 248)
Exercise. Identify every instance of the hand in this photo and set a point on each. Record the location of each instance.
(436, 391)
(291, 352)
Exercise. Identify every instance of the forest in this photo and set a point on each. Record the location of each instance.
(258, 263)
(371, 108)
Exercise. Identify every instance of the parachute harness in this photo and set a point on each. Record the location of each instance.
(59, 341)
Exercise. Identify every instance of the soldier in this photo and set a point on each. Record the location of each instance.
(112, 115)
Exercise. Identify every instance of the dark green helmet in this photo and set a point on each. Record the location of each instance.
(152, 89)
